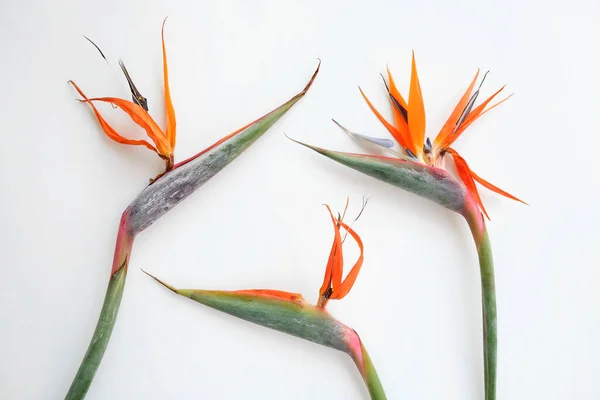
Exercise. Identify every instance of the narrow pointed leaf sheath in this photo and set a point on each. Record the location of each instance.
(158, 198)
(291, 314)
(189, 175)
(434, 184)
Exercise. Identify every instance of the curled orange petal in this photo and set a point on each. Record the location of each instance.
(108, 130)
(333, 286)
(348, 282)
(143, 120)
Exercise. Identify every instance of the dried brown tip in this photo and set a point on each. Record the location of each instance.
(312, 79)
(97, 48)
(171, 288)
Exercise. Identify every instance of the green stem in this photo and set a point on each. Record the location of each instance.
(369, 373)
(108, 316)
(488, 297)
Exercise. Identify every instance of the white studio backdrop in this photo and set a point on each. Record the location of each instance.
(260, 223)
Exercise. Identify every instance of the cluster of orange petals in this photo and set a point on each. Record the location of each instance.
(334, 287)
(164, 141)
(409, 129)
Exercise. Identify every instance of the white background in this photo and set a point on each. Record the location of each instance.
(260, 222)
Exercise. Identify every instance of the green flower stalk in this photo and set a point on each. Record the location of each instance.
(419, 167)
(290, 313)
(164, 192)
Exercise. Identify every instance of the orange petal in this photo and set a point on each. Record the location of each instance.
(465, 174)
(401, 134)
(393, 91)
(472, 117)
(169, 110)
(450, 124)
(327, 278)
(328, 270)
(333, 272)
(336, 255)
(108, 130)
(416, 111)
(348, 282)
(275, 294)
(143, 119)
(493, 188)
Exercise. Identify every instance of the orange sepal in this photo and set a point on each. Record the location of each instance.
(394, 90)
(334, 270)
(400, 133)
(450, 124)
(108, 130)
(144, 121)
(395, 93)
(353, 274)
(466, 175)
(493, 188)
(472, 117)
(169, 109)
(416, 111)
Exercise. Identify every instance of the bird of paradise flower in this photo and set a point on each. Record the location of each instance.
(420, 167)
(165, 191)
(290, 313)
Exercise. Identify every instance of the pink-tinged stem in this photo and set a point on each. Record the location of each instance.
(123, 245)
(108, 315)
(365, 366)
(488, 295)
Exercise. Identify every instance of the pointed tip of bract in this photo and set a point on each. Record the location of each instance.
(319, 150)
(312, 79)
(182, 292)
(171, 288)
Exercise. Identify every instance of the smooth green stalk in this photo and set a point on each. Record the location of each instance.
(108, 316)
(104, 328)
(488, 297)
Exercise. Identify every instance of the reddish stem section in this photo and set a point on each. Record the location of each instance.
(123, 245)
(475, 220)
